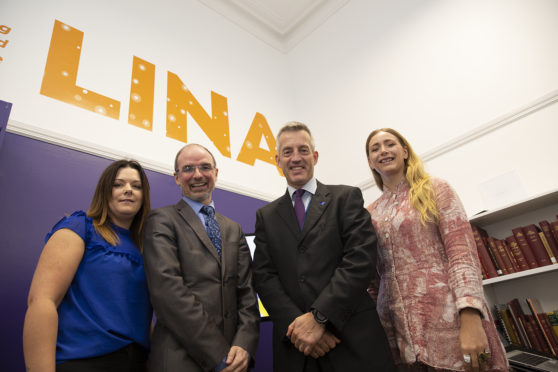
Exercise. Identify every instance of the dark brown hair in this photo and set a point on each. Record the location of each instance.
(99, 208)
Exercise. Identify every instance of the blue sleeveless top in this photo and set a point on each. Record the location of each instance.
(107, 304)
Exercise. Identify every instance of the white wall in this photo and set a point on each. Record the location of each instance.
(434, 70)
(438, 71)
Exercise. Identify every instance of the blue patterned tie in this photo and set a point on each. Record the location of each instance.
(212, 227)
(300, 211)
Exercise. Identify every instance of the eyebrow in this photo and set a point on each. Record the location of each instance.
(384, 141)
(126, 179)
(194, 165)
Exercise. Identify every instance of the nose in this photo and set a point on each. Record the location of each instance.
(127, 188)
(197, 172)
(296, 156)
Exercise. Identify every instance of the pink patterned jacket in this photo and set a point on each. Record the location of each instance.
(426, 275)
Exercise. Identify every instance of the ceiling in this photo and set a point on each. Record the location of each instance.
(280, 23)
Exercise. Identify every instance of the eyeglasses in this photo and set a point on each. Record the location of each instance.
(203, 168)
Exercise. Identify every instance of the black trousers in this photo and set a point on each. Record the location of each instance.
(131, 358)
(317, 365)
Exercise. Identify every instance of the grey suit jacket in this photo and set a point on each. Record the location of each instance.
(327, 266)
(203, 305)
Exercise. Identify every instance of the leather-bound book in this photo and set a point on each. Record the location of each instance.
(533, 239)
(554, 229)
(547, 231)
(517, 253)
(518, 318)
(553, 319)
(536, 313)
(501, 257)
(547, 247)
(535, 335)
(484, 256)
(547, 320)
(549, 331)
(507, 249)
(525, 247)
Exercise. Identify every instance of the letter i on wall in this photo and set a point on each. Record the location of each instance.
(142, 86)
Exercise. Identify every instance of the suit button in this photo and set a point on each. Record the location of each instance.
(227, 314)
(301, 279)
(302, 249)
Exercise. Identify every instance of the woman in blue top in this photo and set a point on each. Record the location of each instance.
(88, 306)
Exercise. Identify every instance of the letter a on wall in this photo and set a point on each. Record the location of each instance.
(251, 149)
(59, 81)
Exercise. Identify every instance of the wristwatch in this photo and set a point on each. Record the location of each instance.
(319, 317)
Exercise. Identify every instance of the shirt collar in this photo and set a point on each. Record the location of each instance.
(196, 205)
(310, 187)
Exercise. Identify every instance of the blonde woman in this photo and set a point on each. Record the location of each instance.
(429, 290)
(88, 307)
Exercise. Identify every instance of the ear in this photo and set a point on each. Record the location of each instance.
(316, 157)
(277, 160)
(405, 153)
(176, 178)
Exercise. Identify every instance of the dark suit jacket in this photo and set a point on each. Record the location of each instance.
(327, 266)
(203, 306)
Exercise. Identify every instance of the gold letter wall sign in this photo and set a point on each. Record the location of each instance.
(59, 82)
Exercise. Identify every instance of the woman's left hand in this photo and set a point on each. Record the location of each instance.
(473, 340)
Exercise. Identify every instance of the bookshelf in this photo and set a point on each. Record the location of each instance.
(539, 283)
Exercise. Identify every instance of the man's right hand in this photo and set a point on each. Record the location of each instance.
(324, 345)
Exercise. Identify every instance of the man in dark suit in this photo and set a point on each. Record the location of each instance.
(197, 264)
(314, 259)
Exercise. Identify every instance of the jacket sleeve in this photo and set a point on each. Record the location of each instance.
(464, 272)
(348, 285)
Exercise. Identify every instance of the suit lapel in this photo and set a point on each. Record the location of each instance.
(190, 217)
(318, 204)
(286, 211)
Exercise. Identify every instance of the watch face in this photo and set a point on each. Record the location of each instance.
(319, 317)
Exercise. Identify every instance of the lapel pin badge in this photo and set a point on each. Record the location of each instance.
(322, 203)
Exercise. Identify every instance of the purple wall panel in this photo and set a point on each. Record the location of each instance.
(39, 183)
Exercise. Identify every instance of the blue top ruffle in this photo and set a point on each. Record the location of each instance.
(107, 304)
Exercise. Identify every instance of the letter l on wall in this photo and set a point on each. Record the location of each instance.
(61, 69)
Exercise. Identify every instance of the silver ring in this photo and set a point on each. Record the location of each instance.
(467, 358)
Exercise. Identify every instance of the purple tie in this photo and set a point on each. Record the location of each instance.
(299, 207)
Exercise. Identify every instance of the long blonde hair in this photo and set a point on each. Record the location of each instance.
(421, 192)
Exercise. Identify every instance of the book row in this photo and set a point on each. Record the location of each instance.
(534, 329)
(527, 247)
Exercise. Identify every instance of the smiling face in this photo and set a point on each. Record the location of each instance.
(127, 197)
(387, 156)
(196, 184)
(296, 157)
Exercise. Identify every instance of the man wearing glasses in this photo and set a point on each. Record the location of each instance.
(197, 265)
